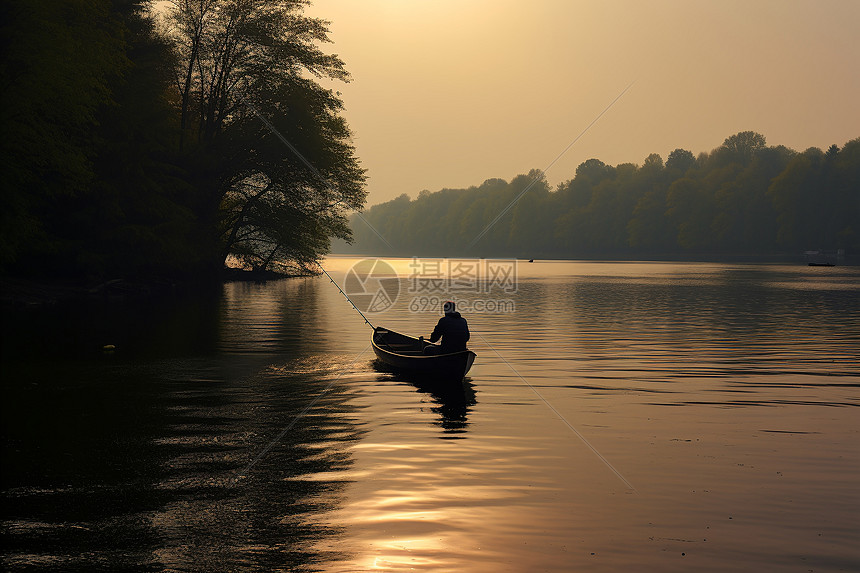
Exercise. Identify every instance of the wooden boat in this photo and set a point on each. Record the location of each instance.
(406, 354)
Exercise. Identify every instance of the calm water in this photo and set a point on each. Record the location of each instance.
(626, 416)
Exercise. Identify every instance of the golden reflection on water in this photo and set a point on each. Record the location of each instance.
(726, 394)
(528, 496)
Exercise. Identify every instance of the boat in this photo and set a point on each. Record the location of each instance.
(405, 354)
(823, 258)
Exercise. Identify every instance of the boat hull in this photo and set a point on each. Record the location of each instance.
(405, 354)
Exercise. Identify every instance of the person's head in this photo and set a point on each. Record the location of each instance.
(448, 307)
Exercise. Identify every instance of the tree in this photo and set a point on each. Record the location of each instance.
(58, 60)
(531, 218)
(690, 209)
(711, 204)
(843, 177)
(680, 160)
(646, 227)
(243, 77)
(135, 216)
(742, 146)
(653, 162)
(92, 184)
(817, 201)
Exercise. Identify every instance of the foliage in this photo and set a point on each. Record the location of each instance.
(240, 61)
(54, 85)
(137, 148)
(742, 198)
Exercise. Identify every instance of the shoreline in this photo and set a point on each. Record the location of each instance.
(23, 293)
(19, 293)
(728, 258)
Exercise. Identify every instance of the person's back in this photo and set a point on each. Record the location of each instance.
(452, 329)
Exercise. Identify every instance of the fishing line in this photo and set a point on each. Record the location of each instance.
(345, 295)
(268, 124)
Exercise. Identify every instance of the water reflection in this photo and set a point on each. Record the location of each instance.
(725, 393)
(279, 316)
(135, 470)
(128, 461)
(452, 400)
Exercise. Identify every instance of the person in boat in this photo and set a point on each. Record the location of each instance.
(452, 329)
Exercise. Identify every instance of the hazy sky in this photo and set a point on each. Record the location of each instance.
(448, 93)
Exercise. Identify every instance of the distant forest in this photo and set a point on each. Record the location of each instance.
(742, 198)
(147, 139)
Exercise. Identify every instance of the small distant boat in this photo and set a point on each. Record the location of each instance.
(406, 354)
(822, 258)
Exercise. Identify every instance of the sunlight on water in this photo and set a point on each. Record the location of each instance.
(748, 474)
(625, 416)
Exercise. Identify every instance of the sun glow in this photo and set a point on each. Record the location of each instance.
(450, 93)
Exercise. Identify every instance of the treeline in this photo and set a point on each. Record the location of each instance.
(743, 198)
(134, 143)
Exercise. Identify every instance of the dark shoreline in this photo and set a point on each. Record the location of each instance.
(799, 259)
(22, 293)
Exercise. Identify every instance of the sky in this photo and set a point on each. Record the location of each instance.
(449, 93)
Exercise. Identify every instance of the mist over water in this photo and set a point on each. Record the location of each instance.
(647, 416)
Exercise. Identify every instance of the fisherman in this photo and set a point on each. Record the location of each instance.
(453, 330)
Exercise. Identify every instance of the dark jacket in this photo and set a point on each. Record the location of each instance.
(453, 330)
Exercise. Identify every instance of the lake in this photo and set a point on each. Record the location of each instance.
(620, 416)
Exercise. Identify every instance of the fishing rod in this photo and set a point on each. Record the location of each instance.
(268, 124)
(345, 295)
(315, 171)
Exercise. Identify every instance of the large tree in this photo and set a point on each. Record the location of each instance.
(58, 61)
(268, 153)
(90, 186)
(742, 147)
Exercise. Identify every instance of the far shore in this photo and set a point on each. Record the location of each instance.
(759, 258)
(20, 293)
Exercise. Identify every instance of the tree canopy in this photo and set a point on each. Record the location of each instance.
(742, 198)
(242, 62)
(136, 146)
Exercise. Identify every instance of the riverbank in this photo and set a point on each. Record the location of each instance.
(800, 259)
(20, 293)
